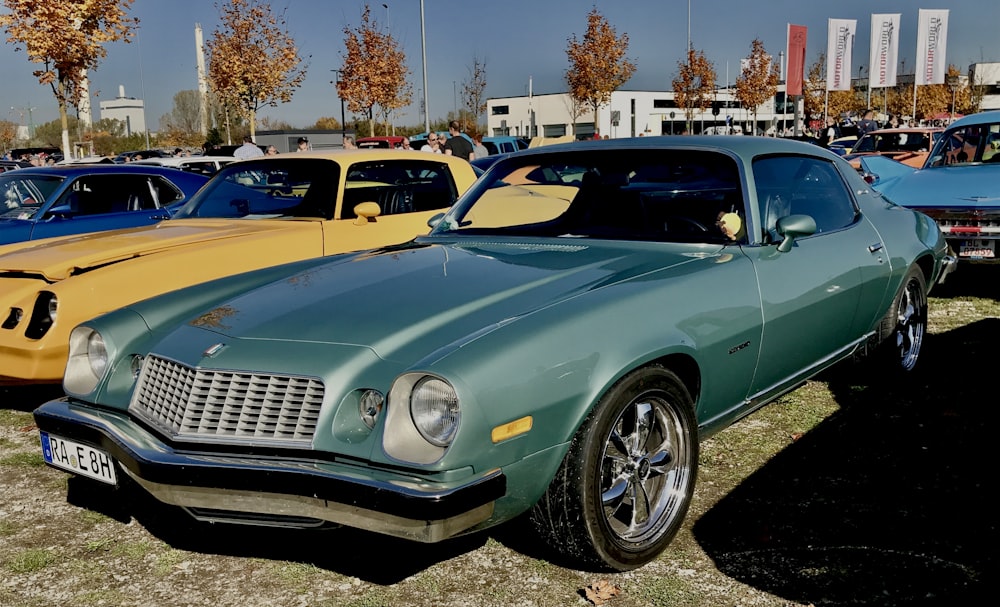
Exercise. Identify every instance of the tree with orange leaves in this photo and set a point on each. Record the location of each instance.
(253, 62)
(67, 39)
(598, 65)
(758, 80)
(373, 75)
(694, 85)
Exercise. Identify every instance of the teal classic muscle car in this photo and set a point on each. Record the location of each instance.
(557, 345)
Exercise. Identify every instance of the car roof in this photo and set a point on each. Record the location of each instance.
(909, 129)
(742, 145)
(980, 118)
(173, 160)
(364, 155)
(71, 170)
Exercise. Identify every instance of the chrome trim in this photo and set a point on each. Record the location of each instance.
(222, 406)
(281, 491)
(279, 505)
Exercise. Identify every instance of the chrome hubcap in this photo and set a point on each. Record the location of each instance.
(645, 470)
(910, 327)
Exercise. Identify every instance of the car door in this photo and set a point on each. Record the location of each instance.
(408, 194)
(93, 203)
(811, 293)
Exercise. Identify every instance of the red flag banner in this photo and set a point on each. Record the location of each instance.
(796, 59)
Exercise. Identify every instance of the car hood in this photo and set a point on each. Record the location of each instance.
(431, 296)
(949, 186)
(58, 258)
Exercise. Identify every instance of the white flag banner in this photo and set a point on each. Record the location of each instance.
(932, 43)
(839, 47)
(884, 51)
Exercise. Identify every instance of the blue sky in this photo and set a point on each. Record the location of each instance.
(518, 40)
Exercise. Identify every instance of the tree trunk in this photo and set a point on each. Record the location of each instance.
(253, 125)
(64, 121)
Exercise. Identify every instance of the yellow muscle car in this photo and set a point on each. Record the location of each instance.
(252, 214)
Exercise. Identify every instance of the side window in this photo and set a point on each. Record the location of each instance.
(162, 193)
(802, 185)
(398, 187)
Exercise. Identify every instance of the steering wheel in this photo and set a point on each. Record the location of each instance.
(691, 225)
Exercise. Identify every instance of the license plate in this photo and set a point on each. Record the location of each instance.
(976, 249)
(78, 458)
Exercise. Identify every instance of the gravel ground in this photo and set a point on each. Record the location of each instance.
(848, 491)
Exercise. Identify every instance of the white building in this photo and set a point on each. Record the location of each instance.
(630, 114)
(987, 75)
(129, 110)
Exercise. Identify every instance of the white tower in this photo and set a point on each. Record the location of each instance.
(199, 49)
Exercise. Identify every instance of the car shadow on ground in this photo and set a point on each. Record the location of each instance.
(886, 502)
(347, 551)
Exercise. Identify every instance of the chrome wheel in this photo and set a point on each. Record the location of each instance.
(911, 324)
(645, 470)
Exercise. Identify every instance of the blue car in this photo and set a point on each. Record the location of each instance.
(44, 202)
(958, 185)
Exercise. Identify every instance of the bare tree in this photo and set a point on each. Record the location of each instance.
(474, 90)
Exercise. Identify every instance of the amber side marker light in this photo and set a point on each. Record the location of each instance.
(511, 429)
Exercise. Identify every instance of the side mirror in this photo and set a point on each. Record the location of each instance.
(792, 227)
(436, 219)
(366, 211)
(62, 211)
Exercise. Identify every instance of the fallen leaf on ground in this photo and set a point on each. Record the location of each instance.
(601, 592)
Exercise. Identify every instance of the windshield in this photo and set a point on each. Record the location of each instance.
(268, 188)
(22, 196)
(657, 195)
(878, 141)
(967, 144)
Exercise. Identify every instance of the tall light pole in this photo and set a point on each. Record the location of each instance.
(343, 126)
(423, 51)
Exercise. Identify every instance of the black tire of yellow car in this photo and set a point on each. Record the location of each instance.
(904, 326)
(624, 487)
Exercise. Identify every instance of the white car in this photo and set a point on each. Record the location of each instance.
(207, 165)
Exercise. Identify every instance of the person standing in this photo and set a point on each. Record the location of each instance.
(478, 149)
(271, 151)
(867, 124)
(830, 132)
(405, 144)
(303, 144)
(248, 150)
(349, 143)
(457, 145)
(432, 143)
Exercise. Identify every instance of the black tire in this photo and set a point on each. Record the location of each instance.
(904, 326)
(589, 513)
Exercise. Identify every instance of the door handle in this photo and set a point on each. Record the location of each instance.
(875, 248)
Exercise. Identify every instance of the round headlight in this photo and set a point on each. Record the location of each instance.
(97, 354)
(434, 410)
(370, 406)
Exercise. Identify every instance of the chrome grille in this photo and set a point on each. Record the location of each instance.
(230, 406)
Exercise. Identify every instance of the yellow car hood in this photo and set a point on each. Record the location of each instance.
(58, 258)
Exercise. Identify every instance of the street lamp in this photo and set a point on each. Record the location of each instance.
(953, 84)
(343, 126)
(423, 52)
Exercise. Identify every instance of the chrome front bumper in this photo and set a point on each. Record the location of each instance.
(274, 489)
